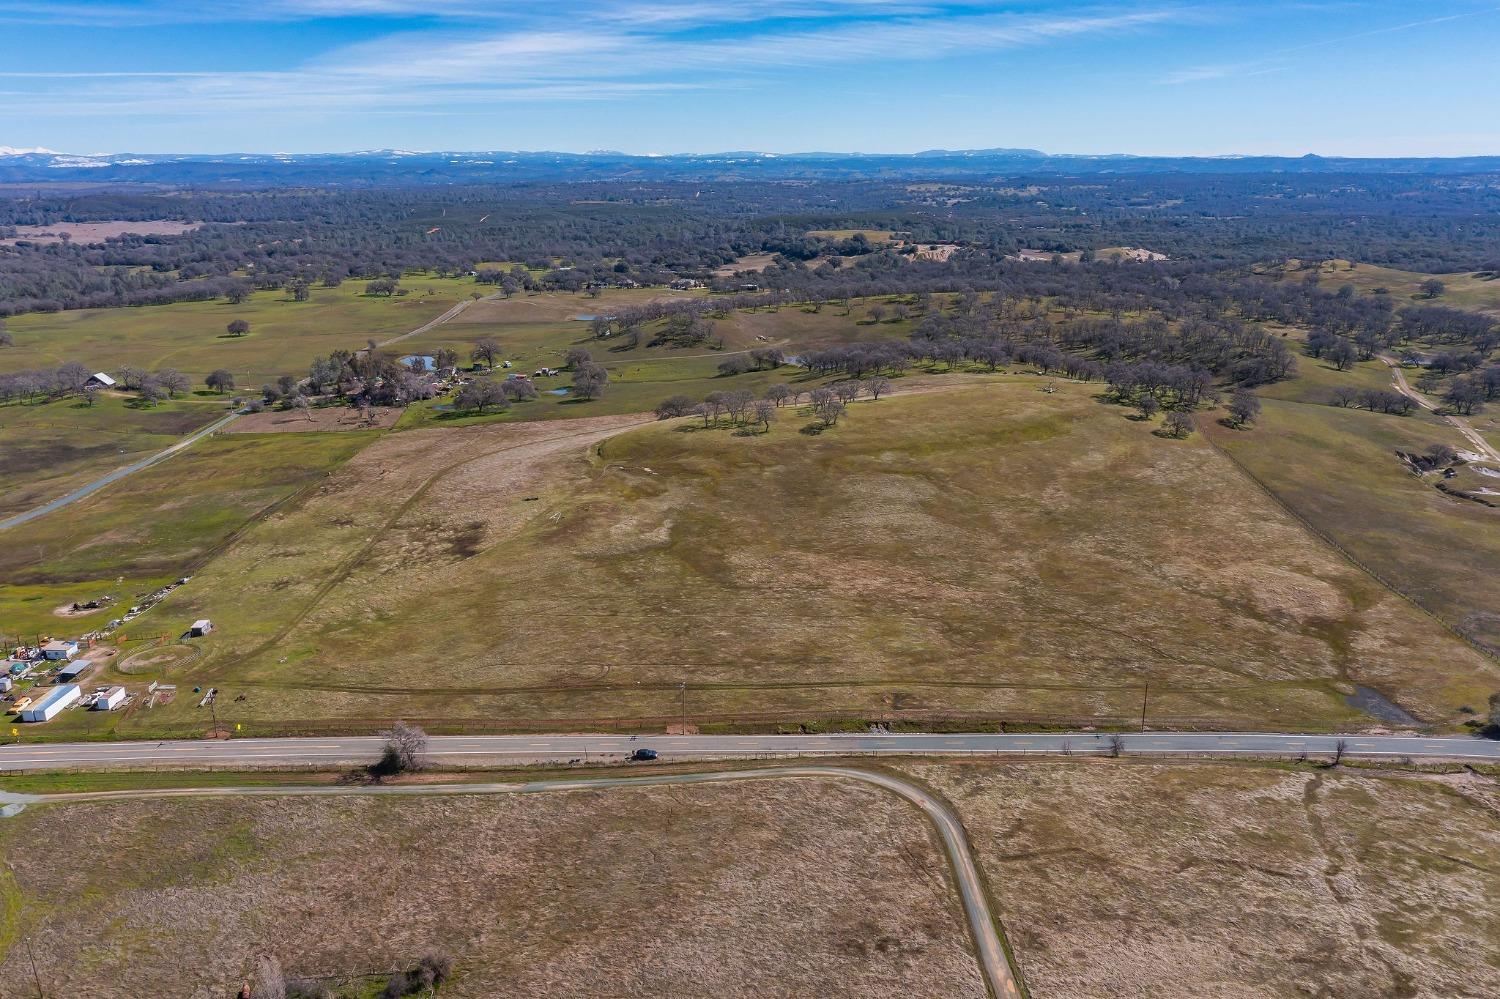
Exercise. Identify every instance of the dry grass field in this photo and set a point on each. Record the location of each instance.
(152, 527)
(95, 233)
(1118, 878)
(813, 888)
(992, 552)
(1223, 881)
(50, 447)
(1338, 468)
(284, 335)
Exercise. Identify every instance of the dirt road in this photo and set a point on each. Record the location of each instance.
(117, 474)
(1474, 437)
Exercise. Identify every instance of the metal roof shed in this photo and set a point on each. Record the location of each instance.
(50, 706)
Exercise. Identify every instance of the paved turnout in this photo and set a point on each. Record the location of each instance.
(511, 749)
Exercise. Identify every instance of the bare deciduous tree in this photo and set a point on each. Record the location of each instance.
(405, 746)
(486, 350)
(1178, 423)
(765, 413)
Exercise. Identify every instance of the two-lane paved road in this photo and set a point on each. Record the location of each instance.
(511, 749)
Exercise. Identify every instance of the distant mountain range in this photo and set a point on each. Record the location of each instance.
(388, 167)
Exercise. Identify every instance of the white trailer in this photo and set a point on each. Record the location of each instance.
(51, 704)
(110, 699)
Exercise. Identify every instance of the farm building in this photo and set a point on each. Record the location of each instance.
(110, 699)
(100, 379)
(51, 705)
(72, 671)
(201, 628)
(60, 649)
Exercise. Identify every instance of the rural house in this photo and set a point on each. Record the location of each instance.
(60, 649)
(101, 380)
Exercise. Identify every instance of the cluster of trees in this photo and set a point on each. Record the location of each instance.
(488, 393)
(64, 380)
(589, 376)
(768, 358)
(72, 379)
(1169, 386)
(1376, 400)
(1439, 324)
(1467, 393)
(828, 403)
(584, 234)
(366, 377)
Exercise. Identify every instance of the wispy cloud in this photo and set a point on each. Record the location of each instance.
(1280, 59)
(1223, 71)
(628, 49)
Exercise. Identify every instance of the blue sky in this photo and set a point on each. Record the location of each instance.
(1358, 77)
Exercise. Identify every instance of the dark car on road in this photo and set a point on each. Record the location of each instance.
(643, 755)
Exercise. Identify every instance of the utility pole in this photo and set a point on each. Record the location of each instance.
(1145, 693)
(682, 690)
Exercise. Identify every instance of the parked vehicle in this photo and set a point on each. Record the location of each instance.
(643, 755)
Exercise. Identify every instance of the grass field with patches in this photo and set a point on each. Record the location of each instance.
(284, 337)
(535, 332)
(1200, 881)
(640, 892)
(991, 552)
(1463, 290)
(153, 526)
(1338, 468)
(50, 447)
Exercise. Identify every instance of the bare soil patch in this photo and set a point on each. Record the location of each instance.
(751, 263)
(788, 888)
(935, 251)
(94, 233)
(332, 418)
(1132, 879)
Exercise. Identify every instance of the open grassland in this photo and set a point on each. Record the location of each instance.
(284, 335)
(1111, 877)
(1220, 881)
(790, 888)
(48, 448)
(1338, 469)
(991, 552)
(1465, 290)
(153, 526)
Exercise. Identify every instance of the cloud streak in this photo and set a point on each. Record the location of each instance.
(630, 49)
